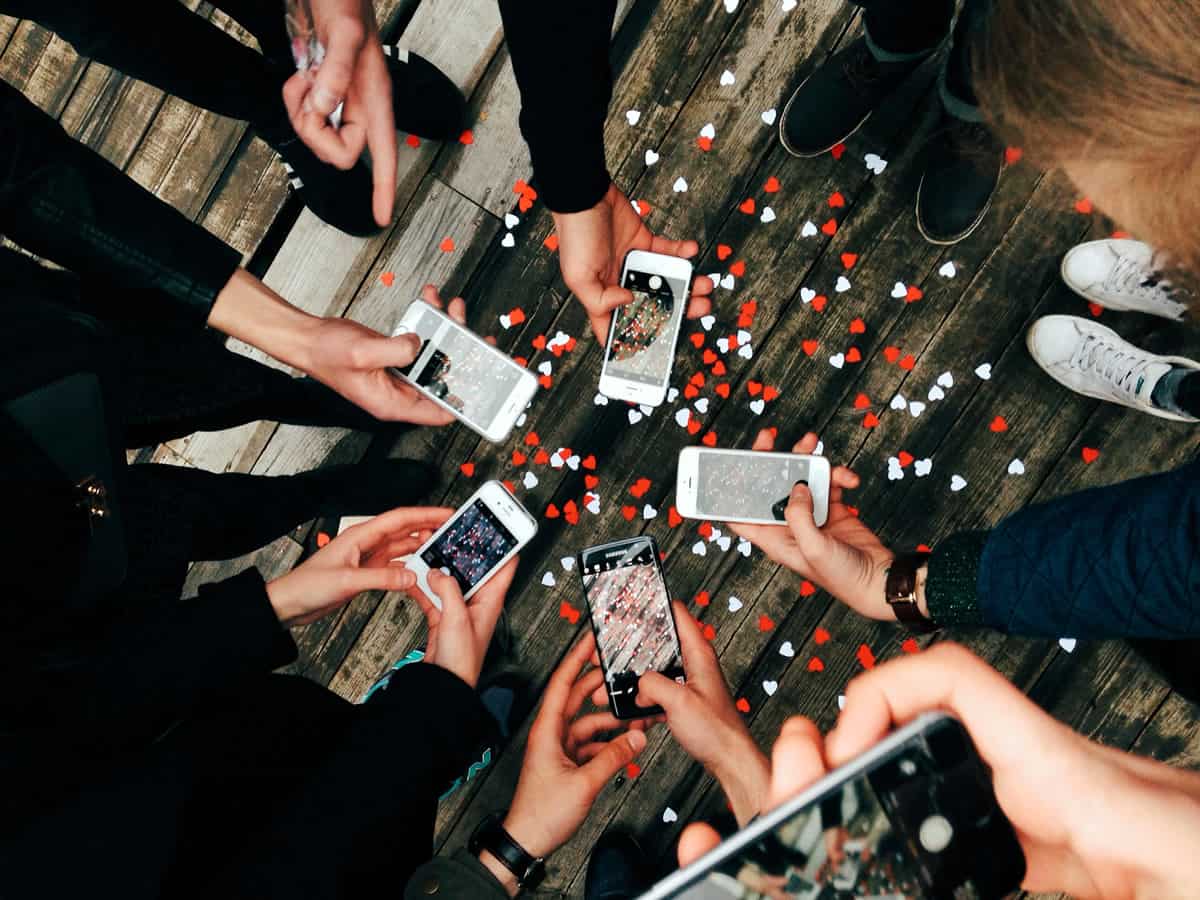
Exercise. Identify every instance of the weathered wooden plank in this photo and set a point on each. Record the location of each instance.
(272, 560)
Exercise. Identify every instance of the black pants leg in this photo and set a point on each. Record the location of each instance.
(164, 44)
(1187, 396)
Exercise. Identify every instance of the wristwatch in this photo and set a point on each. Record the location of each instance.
(490, 835)
(901, 592)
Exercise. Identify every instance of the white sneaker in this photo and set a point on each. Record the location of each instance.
(1092, 360)
(1120, 274)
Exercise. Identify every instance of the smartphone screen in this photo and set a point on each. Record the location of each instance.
(922, 822)
(747, 486)
(631, 617)
(642, 345)
(453, 367)
(471, 546)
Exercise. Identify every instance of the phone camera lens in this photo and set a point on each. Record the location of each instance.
(935, 833)
(908, 767)
(655, 282)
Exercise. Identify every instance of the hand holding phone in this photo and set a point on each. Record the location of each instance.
(844, 556)
(631, 615)
(748, 486)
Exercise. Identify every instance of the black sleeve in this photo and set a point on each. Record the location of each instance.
(66, 203)
(559, 53)
(138, 676)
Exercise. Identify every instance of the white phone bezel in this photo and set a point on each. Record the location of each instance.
(512, 515)
(502, 425)
(616, 387)
(687, 483)
(766, 823)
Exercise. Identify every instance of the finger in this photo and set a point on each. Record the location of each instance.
(799, 517)
(454, 608)
(682, 249)
(433, 615)
(842, 478)
(655, 689)
(807, 444)
(702, 286)
(764, 440)
(600, 696)
(699, 657)
(352, 581)
(343, 38)
(696, 840)
(584, 729)
(488, 602)
(458, 310)
(295, 89)
(797, 760)
(590, 684)
(430, 295)
(376, 351)
(401, 402)
(1002, 721)
(698, 306)
(389, 551)
(381, 139)
(615, 756)
(404, 520)
(549, 724)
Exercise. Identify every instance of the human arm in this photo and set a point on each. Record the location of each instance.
(1092, 821)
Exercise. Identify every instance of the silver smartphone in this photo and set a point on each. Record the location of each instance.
(459, 371)
(747, 485)
(915, 816)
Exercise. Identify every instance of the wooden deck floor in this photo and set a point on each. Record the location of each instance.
(670, 56)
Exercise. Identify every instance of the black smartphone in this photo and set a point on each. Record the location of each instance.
(915, 816)
(630, 608)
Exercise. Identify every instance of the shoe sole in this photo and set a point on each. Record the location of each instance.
(949, 242)
(1062, 273)
(1094, 395)
(813, 155)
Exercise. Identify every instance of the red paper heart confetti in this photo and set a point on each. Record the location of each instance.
(849, 259)
(413, 141)
(551, 242)
(704, 143)
(747, 206)
(632, 770)
(710, 439)
(553, 512)
(674, 519)
(568, 612)
(590, 482)
(571, 512)
(1012, 155)
(718, 368)
(532, 439)
(907, 362)
(837, 150)
(539, 342)
(809, 347)
(911, 646)
(704, 529)
(754, 387)
(467, 137)
(858, 326)
(710, 633)
(862, 401)
(545, 381)
(709, 357)
(697, 339)
(998, 424)
(509, 486)
(702, 599)
(815, 665)
(772, 186)
(691, 392)
(388, 278)
(447, 245)
(836, 200)
(891, 354)
(629, 512)
(1089, 454)
(1095, 309)
(770, 393)
(516, 316)
(724, 251)
(765, 623)
(693, 426)
(322, 539)
(589, 462)
(468, 469)
(738, 269)
(807, 588)
(830, 227)
(870, 420)
(819, 302)
(924, 548)
(853, 355)
(743, 705)
(905, 458)
(541, 457)
(518, 458)
(820, 636)
(913, 294)
(1084, 206)
(527, 195)
(640, 487)
(865, 656)
(723, 389)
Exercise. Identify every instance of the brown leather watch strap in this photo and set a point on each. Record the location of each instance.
(901, 592)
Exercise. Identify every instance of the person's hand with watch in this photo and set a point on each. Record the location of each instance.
(567, 763)
(844, 557)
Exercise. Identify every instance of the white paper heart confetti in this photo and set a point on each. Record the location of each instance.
(680, 185)
(898, 402)
(1067, 644)
(669, 815)
(837, 360)
(770, 687)
(842, 285)
(549, 580)
(936, 393)
(649, 512)
(709, 131)
(768, 116)
(600, 400)
(530, 481)
(923, 467)
(984, 371)
(568, 562)
(699, 549)
(727, 78)
(734, 603)
(511, 221)
(508, 240)
(915, 408)
(701, 405)
(768, 215)
(807, 294)
(651, 157)
(948, 269)
(727, 282)
(875, 163)
(808, 229)
(957, 483)
(786, 649)
(632, 116)
(682, 417)
(707, 322)
(743, 547)
(635, 416)
(945, 380)
(1016, 467)
(899, 290)
(757, 406)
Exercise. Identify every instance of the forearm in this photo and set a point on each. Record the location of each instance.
(560, 59)
(250, 311)
(744, 773)
(66, 203)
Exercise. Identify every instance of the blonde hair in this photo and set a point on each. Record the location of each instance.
(1112, 83)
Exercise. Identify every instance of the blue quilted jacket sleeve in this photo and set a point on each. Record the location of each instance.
(1117, 561)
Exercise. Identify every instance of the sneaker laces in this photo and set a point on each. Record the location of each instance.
(1121, 369)
(1129, 276)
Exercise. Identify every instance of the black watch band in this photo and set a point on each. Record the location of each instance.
(490, 835)
(901, 592)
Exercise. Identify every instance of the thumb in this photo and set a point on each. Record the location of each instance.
(379, 352)
(617, 754)
(656, 689)
(355, 581)
(799, 517)
(696, 840)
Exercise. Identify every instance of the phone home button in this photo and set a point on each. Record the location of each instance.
(935, 833)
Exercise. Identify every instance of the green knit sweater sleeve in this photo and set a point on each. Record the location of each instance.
(951, 590)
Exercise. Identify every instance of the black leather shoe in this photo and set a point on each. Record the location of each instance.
(618, 869)
(962, 169)
(338, 197)
(835, 100)
(426, 103)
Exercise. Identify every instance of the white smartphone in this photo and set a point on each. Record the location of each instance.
(460, 372)
(747, 485)
(482, 535)
(643, 334)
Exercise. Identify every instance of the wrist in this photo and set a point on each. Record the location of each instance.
(526, 832)
(251, 312)
(500, 872)
(282, 601)
(744, 773)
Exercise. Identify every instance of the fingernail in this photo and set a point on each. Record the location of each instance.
(636, 739)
